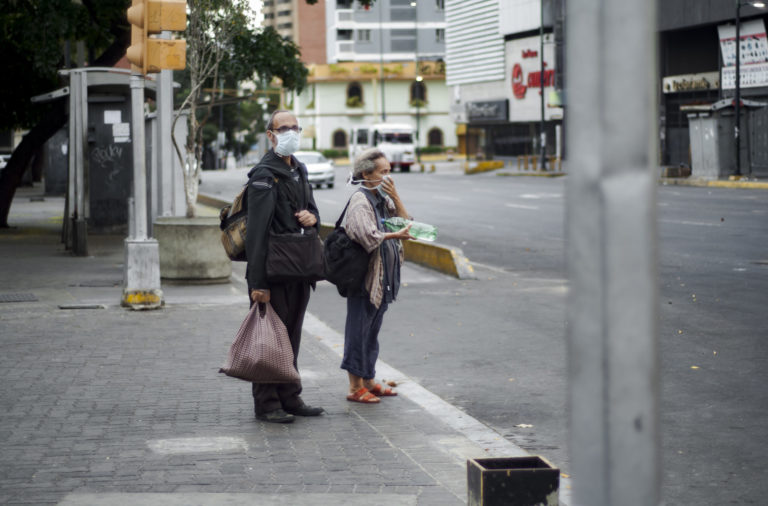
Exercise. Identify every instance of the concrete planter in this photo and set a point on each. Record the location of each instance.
(191, 250)
(515, 481)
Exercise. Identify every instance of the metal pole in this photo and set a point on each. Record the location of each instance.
(141, 269)
(611, 253)
(737, 103)
(163, 141)
(381, 62)
(542, 132)
(139, 156)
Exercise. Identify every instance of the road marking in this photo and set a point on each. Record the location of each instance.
(443, 197)
(695, 223)
(522, 206)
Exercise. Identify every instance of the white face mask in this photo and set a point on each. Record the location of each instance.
(287, 143)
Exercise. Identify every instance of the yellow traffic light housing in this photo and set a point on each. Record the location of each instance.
(150, 54)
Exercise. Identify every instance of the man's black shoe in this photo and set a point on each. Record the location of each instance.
(305, 410)
(276, 416)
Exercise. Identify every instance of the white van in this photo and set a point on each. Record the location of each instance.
(395, 140)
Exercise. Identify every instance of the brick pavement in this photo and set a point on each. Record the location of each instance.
(111, 406)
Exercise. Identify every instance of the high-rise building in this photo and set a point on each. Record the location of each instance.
(300, 22)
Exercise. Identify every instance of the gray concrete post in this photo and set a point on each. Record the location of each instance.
(163, 143)
(612, 253)
(141, 276)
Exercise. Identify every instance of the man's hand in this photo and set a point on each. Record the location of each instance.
(260, 296)
(306, 219)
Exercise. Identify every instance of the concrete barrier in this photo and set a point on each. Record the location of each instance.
(438, 257)
(482, 166)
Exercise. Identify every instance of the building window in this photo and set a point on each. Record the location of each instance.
(418, 94)
(269, 3)
(339, 139)
(354, 95)
(440, 4)
(284, 1)
(364, 35)
(435, 137)
(343, 4)
(284, 13)
(343, 34)
(283, 26)
(269, 15)
(440, 35)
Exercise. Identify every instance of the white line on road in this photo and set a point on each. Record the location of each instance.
(522, 206)
(695, 223)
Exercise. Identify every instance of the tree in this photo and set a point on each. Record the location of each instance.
(221, 43)
(32, 34)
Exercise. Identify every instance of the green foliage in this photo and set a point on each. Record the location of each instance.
(32, 35)
(354, 101)
(335, 153)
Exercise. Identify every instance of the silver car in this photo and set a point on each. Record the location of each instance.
(320, 169)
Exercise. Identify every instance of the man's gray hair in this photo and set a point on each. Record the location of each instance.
(271, 122)
(365, 162)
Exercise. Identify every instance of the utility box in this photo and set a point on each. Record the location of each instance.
(711, 131)
(512, 481)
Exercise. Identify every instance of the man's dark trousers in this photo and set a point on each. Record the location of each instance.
(289, 301)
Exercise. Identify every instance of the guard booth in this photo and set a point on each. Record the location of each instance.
(98, 175)
(713, 150)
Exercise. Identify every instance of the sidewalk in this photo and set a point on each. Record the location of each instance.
(110, 406)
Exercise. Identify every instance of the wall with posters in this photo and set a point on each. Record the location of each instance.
(753, 53)
(523, 79)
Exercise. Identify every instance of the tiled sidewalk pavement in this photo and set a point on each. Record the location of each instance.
(109, 406)
(104, 401)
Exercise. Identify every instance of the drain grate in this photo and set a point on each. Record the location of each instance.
(17, 297)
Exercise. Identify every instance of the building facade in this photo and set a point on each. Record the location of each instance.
(494, 63)
(380, 64)
(300, 22)
(697, 69)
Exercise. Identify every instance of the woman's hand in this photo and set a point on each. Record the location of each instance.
(401, 234)
(306, 219)
(388, 187)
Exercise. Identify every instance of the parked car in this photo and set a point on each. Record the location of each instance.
(320, 169)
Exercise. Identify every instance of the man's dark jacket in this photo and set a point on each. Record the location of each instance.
(273, 200)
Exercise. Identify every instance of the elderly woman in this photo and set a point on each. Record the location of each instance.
(376, 200)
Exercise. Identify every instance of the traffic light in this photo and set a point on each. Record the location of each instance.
(149, 54)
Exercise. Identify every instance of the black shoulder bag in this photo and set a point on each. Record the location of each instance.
(346, 262)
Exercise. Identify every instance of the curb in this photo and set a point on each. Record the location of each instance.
(755, 185)
(441, 258)
(533, 174)
(485, 166)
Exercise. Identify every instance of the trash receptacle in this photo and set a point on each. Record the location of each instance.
(512, 481)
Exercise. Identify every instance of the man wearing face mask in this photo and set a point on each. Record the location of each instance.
(279, 199)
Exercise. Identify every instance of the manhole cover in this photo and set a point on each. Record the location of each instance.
(17, 297)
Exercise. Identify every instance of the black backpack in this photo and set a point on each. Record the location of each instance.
(345, 261)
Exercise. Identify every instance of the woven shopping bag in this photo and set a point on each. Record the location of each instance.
(261, 352)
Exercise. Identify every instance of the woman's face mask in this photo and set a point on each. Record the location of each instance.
(287, 143)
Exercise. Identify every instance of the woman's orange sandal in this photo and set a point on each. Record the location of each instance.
(363, 396)
(385, 392)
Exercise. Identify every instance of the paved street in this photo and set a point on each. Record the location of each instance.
(495, 347)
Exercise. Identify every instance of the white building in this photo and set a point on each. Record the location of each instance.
(493, 60)
(383, 64)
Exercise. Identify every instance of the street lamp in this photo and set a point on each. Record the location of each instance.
(737, 104)
(418, 86)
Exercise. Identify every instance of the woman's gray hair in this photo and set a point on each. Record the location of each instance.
(365, 162)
